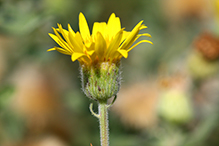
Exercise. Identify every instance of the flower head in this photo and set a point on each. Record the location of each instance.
(107, 43)
(99, 53)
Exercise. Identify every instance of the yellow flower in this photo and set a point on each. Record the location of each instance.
(107, 43)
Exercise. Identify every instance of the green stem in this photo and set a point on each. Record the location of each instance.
(103, 120)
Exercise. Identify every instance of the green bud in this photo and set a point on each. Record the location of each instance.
(175, 107)
(101, 81)
(200, 68)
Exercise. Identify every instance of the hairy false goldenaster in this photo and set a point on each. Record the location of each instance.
(99, 55)
(107, 43)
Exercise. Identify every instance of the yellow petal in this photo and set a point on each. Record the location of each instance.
(64, 34)
(124, 53)
(131, 37)
(90, 52)
(99, 27)
(75, 56)
(63, 51)
(113, 25)
(64, 30)
(114, 45)
(65, 45)
(78, 39)
(89, 47)
(51, 49)
(56, 39)
(71, 30)
(75, 43)
(144, 34)
(125, 35)
(100, 45)
(143, 27)
(83, 27)
(59, 42)
(142, 41)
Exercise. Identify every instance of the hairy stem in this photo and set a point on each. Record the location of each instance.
(103, 120)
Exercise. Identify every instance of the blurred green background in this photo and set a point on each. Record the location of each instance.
(170, 90)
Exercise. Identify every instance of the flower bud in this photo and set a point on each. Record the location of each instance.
(101, 81)
(200, 68)
(175, 107)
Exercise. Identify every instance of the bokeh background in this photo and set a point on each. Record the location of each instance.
(170, 90)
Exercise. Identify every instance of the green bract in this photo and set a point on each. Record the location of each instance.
(102, 81)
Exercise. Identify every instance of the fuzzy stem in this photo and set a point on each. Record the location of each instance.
(103, 120)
